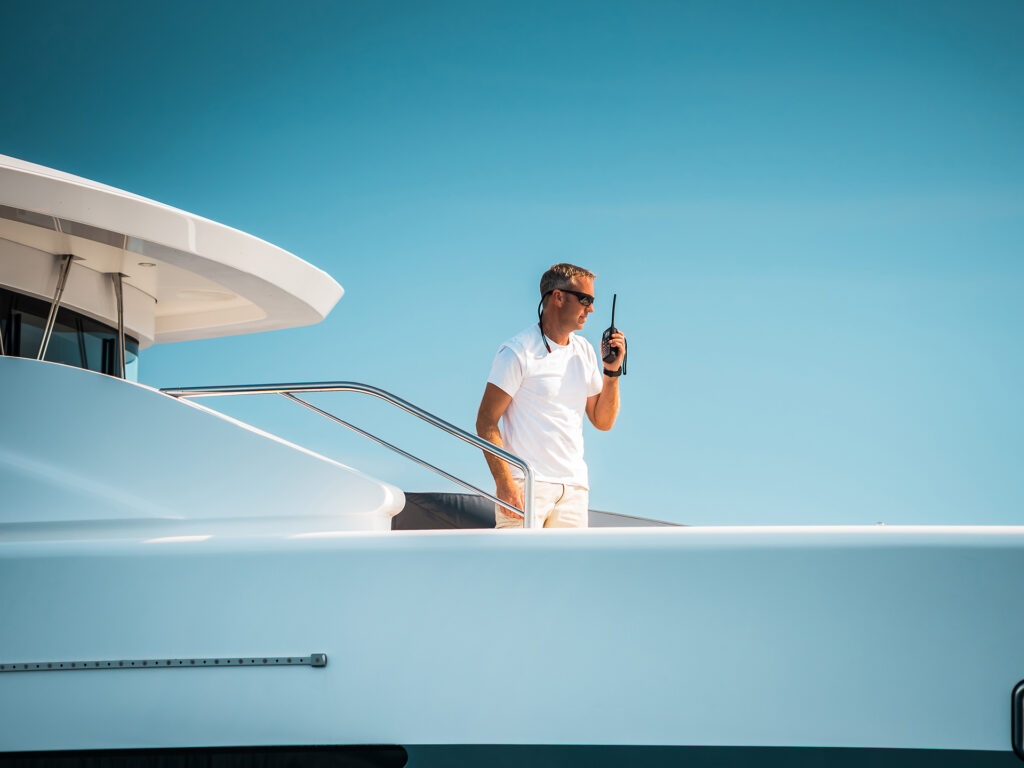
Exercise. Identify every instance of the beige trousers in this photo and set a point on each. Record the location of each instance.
(554, 505)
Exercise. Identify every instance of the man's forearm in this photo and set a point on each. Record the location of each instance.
(499, 467)
(607, 408)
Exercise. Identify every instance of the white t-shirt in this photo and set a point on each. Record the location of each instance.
(544, 422)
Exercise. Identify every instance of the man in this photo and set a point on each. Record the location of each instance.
(542, 382)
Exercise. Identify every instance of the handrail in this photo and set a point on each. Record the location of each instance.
(289, 391)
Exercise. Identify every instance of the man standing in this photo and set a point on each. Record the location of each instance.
(542, 382)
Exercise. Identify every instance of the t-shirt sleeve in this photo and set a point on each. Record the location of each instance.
(595, 381)
(506, 371)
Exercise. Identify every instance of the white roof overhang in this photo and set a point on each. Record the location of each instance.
(203, 279)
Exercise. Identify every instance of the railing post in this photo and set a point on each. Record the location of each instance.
(528, 518)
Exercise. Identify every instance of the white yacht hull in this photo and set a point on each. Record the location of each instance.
(863, 638)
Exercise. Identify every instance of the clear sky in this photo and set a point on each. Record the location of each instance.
(812, 214)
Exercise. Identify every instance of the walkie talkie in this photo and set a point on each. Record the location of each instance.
(609, 353)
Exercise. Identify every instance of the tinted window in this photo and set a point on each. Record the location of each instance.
(76, 340)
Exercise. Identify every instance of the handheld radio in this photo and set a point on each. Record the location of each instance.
(608, 353)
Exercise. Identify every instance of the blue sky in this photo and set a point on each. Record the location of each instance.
(812, 213)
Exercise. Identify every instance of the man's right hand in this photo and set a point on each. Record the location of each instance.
(511, 494)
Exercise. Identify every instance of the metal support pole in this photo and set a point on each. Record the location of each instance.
(62, 280)
(118, 279)
(529, 518)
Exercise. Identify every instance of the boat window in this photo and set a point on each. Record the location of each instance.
(77, 340)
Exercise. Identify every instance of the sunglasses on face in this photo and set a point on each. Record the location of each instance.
(585, 299)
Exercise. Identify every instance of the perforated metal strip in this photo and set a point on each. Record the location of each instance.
(313, 660)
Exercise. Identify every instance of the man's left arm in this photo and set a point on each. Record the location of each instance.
(603, 407)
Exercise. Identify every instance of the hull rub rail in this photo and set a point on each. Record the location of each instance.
(313, 660)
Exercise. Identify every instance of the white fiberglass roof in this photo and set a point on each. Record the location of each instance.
(205, 279)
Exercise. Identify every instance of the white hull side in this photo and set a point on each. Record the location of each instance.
(876, 637)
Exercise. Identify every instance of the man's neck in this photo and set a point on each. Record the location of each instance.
(558, 335)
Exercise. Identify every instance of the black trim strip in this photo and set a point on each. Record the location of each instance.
(549, 756)
(361, 756)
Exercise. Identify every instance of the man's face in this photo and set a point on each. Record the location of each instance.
(572, 310)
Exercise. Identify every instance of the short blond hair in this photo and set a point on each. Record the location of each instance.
(560, 276)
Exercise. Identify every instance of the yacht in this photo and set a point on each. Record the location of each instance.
(180, 588)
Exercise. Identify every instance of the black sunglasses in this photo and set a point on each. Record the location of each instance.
(585, 299)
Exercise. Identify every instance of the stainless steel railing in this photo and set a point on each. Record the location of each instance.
(289, 391)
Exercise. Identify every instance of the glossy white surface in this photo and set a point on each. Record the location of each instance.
(83, 455)
(807, 637)
(206, 279)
